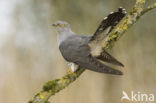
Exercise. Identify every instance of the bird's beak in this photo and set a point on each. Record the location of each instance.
(54, 25)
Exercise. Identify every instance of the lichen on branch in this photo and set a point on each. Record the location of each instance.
(54, 86)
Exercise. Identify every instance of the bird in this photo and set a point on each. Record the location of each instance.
(84, 51)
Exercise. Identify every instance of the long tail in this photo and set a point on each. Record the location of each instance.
(93, 64)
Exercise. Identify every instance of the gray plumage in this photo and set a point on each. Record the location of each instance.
(75, 48)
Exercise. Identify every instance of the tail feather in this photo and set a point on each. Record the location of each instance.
(93, 64)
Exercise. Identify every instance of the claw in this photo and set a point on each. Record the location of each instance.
(70, 71)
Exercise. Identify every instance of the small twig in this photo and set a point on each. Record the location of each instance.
(148, 8)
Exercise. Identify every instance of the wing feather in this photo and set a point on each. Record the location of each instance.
(75, 49)
(93, 64)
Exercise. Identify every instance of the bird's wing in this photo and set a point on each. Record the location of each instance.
(105, 27)
(93, 64)
(75, 49)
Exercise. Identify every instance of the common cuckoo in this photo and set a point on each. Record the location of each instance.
(86, 51)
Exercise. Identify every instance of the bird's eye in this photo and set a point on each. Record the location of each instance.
(63, 25)
(57, 25)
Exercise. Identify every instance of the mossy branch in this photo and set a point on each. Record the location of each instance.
(54, 86)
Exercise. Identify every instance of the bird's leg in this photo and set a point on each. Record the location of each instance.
(70, 71)
(73, 67)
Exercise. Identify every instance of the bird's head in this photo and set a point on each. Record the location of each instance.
(61, 26)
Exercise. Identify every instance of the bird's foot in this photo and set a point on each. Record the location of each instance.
(70, 71)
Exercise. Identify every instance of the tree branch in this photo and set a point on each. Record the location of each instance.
(54, 86)
(148, 8)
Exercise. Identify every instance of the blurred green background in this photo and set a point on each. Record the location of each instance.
(29, 55)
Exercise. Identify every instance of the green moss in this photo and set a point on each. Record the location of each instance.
(141, 1)
(51, 85)
(30, 101)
